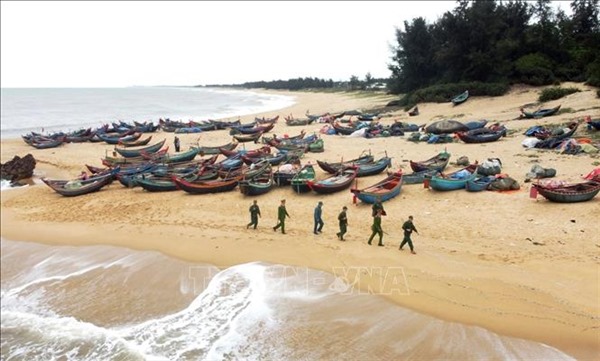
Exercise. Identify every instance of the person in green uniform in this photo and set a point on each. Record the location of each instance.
(343, 219)
(281, 214)
(408, 228)
(376, 227)
(254, 214)
(376, 206)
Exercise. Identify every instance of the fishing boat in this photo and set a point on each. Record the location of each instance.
(437, 162)
(570, 193)
(338, 182)
(257, 185)
(77, 187)
(300, 181)
(461, 98)
(479, 183)
(452, 181)
(334, 167)
(204, 150)
(382, 191)
(205, 187)
(137, 152)
(540, 113)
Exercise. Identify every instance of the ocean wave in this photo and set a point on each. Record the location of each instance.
(249, 311)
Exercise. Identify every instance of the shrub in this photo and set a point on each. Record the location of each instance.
(442, 93)
(535, 69)
(554, 93)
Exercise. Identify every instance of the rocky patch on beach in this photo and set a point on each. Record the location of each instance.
(18, 168)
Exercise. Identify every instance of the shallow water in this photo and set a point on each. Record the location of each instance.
(110, 303)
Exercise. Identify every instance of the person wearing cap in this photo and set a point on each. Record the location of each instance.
(343, 219)
(254, 214)
(281, 214)
(376, 206)
(408, 228)
(318, 219)
(376, 228)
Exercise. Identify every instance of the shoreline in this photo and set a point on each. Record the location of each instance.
(483, 274)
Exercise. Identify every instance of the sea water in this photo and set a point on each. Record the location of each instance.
(65, 109)
(111, 303)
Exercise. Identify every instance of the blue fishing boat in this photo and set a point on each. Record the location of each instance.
(383, 191)
(479, 183)
(454, 180)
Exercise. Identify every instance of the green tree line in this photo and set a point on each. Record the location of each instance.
(500, 42)
(309, 83)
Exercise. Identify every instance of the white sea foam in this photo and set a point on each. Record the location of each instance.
(7, 185)
(54, 338)
(250, 311)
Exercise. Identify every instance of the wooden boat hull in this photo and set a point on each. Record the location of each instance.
(333, 168)
(216, 150)
(243, 138)
(336, 183)
(448, 183)
(381, 191)
(79, 187)
(129, 153)
(479, 183)
(205, 187)
(46, 144)
(256, 186)
(177, 157)
(461, 98)
(300, 181)
(135, 143)
(482, 135)
(418, 177)
(541, 113)
(438, 162)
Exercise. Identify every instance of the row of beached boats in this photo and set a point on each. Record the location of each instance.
(258, 171)
(125, 134)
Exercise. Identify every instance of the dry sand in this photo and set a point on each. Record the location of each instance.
(474, 262)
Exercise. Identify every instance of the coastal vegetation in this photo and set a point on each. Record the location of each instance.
(499, 42)
(554, 93)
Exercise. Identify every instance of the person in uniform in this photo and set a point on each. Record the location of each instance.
(376, 228)
(254, 214)
(343, 219)
(408, 228)
(281, 214)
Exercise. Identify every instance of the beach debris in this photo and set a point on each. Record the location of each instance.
(464, 161)
(538, 171)
(535, 243)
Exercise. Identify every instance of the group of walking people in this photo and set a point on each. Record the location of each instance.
(377, 212)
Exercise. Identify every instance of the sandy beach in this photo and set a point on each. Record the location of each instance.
(503, 261)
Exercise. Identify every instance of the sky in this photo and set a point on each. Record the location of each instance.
(139, 43)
